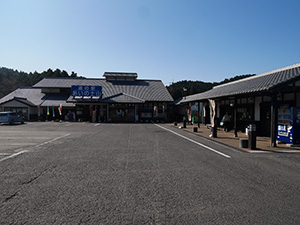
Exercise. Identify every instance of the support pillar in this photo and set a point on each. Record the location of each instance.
(274, 110)
(198, 114)
(235, 118)
(107, 112)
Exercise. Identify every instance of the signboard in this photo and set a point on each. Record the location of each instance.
(86, 91)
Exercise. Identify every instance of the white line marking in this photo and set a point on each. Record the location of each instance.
(20, 137)
(18, 144)
(5, 153)
(195, 142)
(24, 151)
(47, 142)
(13, 155)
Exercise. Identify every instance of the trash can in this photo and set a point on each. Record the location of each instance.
(195, 129)
(252, 136)
(243, 143)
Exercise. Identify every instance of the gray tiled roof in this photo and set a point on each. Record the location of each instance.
(146, 90)
(24, 101)
(33, 95)
(260, 83)
(56, 99)
(123, 98)
(19, 99)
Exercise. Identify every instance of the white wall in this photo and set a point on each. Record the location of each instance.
(257, 101)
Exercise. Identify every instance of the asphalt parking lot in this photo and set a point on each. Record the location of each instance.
(85, 173)
(19, 138)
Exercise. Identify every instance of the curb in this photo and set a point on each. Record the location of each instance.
(239, 149)
(213, 140)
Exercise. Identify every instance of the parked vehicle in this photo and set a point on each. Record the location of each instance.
(11, 118)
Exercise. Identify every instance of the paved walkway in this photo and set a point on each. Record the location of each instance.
(227, 138)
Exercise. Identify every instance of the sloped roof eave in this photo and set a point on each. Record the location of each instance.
(24, 101)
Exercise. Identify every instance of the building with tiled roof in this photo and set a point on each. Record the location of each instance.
(124, 98)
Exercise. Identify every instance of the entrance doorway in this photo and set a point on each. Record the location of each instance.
(122, 113)
(265, 119)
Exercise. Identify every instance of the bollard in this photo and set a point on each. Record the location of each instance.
(175, 123)
(184, 123)
(252, 136)
(195, 129)
(214, 131)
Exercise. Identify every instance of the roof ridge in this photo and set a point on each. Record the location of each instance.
(123, 93)
(261, 75)
(133, 96)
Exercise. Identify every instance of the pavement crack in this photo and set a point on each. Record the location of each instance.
(34, 178)
(31, 179)
(11, 196)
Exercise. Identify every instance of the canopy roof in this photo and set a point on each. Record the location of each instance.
(265, 82)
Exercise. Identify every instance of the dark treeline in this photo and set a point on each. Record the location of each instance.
(11, 79)
(183, 88)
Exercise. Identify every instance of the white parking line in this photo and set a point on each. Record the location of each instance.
(195, 142)
(47, 142)
(18, 144)
(5, 153)
(13, 155)
(16, 138)
(24, 151)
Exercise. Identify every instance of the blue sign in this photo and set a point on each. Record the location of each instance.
(86, 91)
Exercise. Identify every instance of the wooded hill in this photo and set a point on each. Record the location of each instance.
(10, 79)
(183, 88)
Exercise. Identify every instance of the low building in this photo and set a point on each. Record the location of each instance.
(124, 98)
(255, 99)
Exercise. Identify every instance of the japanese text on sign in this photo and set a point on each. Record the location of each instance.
(86, 91)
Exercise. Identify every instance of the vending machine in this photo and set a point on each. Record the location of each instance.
(288, 130)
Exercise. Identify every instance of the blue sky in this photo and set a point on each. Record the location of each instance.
(159, 39)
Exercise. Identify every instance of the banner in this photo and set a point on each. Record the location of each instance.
(53, 113)
(155, 111)
(39, 111)
(212, 105)
(91, 110)
(48, 111)
(189, 115)
(60, 109)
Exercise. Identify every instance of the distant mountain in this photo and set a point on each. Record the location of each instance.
(183, 88)
(11, 79)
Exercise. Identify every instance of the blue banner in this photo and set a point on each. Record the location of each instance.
(86, 91)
